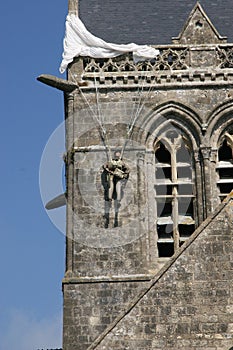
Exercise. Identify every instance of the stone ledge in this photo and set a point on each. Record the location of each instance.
(109, 279)
(160, 81)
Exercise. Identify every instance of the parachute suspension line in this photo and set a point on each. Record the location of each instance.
(98, 116)
(136, 106)
(88, 104)
(136, 115)
(104, 133)
(139, 109)
(94, 115)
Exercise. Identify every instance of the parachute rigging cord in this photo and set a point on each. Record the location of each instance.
(105, 135)
(134, 116)
(98, 117)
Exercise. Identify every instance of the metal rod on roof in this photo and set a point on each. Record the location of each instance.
(73, 7)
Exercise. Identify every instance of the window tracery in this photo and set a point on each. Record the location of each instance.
(174, 191)
(224, 166)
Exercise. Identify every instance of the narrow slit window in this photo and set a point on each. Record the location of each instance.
(163, 155)
(166, 250)
(224, 166)
(164, 209)
(183, 155)
(225, 152)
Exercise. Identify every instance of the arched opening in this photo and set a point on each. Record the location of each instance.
(174, 190)
(224, 166)
(225, 152)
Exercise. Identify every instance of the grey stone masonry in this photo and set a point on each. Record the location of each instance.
(171, 120)
(188, 304)
(189, 87)
(90, 307)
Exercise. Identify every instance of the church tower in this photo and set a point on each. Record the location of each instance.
(148, 167)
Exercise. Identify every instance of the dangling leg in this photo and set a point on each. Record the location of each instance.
(117, 202)
(106, 215)
(118, 190)
(111, 187)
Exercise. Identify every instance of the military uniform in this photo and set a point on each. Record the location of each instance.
(117, 170)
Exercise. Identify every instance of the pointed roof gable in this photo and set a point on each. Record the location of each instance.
(199, 30)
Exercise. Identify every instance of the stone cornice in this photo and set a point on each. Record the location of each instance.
(176, 66)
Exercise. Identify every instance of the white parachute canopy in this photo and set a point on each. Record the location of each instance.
(79, 42)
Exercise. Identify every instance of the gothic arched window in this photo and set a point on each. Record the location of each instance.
(174, 191)
(225, 166)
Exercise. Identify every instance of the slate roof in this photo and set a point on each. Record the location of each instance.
(150, 21)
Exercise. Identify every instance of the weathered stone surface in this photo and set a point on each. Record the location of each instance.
(90, 307)
(189, 305)
(113, 250)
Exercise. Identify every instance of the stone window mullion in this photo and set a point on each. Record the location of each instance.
(174, 193)
(175, 209)
(175, 218)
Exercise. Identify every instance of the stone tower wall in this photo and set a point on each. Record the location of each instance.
(90, 306)
(197, 101)
(189, 88)
(189, 304)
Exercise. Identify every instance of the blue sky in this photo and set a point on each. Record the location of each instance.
(32, 249)
(32, 259)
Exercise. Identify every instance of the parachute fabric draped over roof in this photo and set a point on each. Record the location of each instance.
(79, 41)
